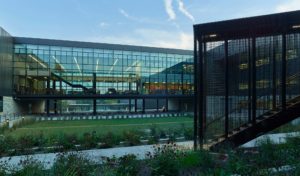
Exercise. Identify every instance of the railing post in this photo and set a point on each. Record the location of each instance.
(253, 88)
(226, 90)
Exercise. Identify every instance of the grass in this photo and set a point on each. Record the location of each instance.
(117, 126)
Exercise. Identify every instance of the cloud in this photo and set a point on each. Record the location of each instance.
(103, 25)
(149, 37)
(140, 19)
(124, 13)
(289, 5)
(169, 9)
(183, 10)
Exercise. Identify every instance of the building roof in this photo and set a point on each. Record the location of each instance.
(79, 44)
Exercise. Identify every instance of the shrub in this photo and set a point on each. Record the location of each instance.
(162, 134)
(89, 140)
(153, 139)
(25, 142)
(73, 164)
(189, 133)
(3, 145)
(109, 140)
(67, 141)
(200, 160)
(131, 138)
(128, 165)
(30, 166)
(3, 127)
(164, 160)
(40, 140)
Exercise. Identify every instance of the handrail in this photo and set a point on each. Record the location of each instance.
(67, 82)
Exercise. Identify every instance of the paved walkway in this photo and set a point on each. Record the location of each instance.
(140, 151)
(96, 154)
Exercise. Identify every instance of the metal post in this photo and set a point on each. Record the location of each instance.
(129, 105)
(48, 101)
(249, 80)
(55, 101)
(253, 88)
(226, 90)
(196, 95)
(274, 75)
(94, 92)
(94, 106)
(135, 105)
(143, 106)
(48, 107)
(182, 91)
(283, 73)
(167, 104)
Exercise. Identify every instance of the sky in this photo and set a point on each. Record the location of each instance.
(158, 23)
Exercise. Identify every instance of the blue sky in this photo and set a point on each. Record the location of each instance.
(160, 23)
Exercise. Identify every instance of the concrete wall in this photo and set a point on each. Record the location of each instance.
(11, 106)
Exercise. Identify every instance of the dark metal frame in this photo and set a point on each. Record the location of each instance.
(245, 28)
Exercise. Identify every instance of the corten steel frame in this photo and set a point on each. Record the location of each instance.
(244, 60)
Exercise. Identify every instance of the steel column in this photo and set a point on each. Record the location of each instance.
(196, 93)
(253, 88)
(129, 105)
(200, 91)
(249, 80)
(274, 78)
(226, 90)
(55, 101)
(167, 104)
(283, 73)
(94, 92)
(48, 101)
(143, 106)
(135, 105)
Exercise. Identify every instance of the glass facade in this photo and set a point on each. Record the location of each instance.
(41, 69)
(6, 48)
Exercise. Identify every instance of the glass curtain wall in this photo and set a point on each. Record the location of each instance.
(56, 70)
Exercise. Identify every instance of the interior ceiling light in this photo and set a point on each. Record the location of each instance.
(212, 35)
(296, 26)
(57, 61)
(42, 64)
(112, 67)
(77, 65)
(97, 65)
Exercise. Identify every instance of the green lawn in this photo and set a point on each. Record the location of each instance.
(117, 126)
